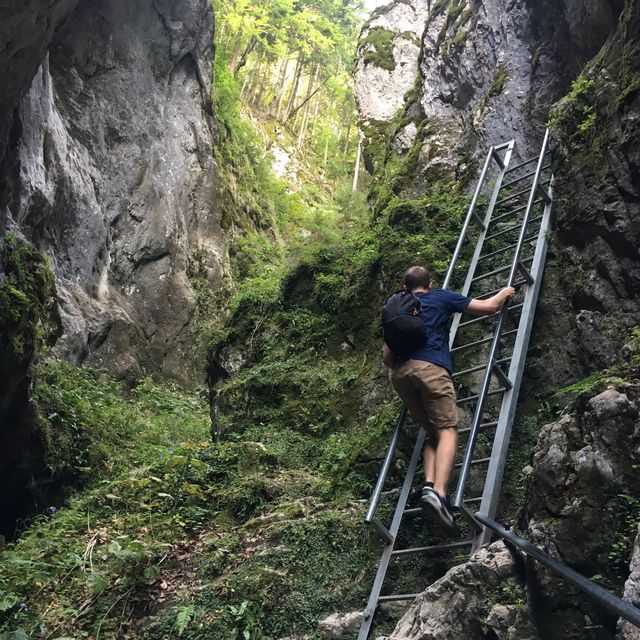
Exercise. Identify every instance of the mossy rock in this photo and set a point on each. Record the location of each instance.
(378, 48)
(26, 297)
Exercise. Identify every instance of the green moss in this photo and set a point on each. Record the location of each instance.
(629, 68)
(497, 85)
(378, 48)
(141, 454)
(25, 297)
(459, 39)
(454, 10)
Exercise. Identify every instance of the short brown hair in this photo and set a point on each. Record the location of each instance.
(416, 277)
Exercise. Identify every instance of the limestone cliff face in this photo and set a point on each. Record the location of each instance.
(107, 169)
(482, 72)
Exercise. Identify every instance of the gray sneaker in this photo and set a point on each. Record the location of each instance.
(435, 505)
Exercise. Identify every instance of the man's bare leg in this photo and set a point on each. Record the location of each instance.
(429, 461)
(445, 455)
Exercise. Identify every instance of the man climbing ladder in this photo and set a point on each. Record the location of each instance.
(422, 378)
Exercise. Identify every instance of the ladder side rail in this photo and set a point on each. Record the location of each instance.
(479, 410)
(479, 244)
(486, 381)
(527, 214)
(372, 604)
(382, 477)
(495, 470)
(603, 597)
(470, 213)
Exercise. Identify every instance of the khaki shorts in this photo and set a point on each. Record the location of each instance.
(427, 391)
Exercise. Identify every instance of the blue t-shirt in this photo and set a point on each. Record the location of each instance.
(437, 307)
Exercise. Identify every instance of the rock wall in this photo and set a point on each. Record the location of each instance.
(479, 73)
(109, 172)
(106, 168)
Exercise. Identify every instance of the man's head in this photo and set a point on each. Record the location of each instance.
(417, 278)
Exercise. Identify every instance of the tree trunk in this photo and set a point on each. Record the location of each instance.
(280, 87)
(255, 81)
(346, 141)
(315, 117)
(305, 114)
(294, 88)
(264, 81)
(236, 49)
(356, 173)
(245, 54)
(248, 78)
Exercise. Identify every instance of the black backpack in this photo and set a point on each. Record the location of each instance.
(403, 328)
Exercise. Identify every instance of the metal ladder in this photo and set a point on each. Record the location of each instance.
(509, 243)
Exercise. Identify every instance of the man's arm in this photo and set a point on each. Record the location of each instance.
(491, 305)
(387, 356)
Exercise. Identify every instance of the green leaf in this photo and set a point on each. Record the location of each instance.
(98, 582)
(183, 618)
(8, 601)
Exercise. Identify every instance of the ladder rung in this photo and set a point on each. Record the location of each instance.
(471, 398)
(524, 177)
(522, 164)
(433, 548)
(511, 228)
(523, 192)
(489, 294)
(479, 367)
(484, 425)
(402, 596)
(473, 462)
(412, 512)
(497, 271)
(511, 246)
(511, 197)
(515, 307)
(508, 214)
(516, 284)
(483, 341)
(473, 500)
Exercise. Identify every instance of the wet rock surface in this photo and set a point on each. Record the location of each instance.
(110, 173)
(341, 627)
(106, 168)
(484, 73)
(385, 73)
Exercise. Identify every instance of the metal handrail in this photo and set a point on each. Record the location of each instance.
(495, 344)
(600, 594)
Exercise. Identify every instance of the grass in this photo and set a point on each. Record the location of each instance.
(175, 536)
